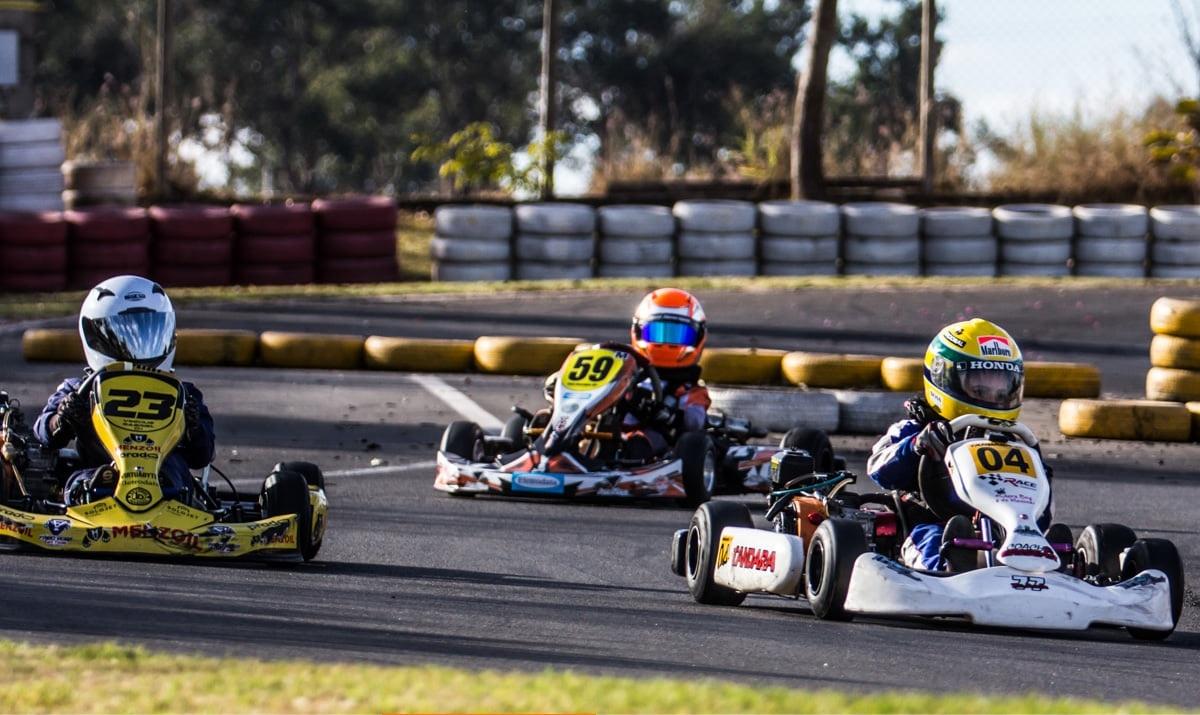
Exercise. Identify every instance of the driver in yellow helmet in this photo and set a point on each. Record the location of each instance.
(972, 367)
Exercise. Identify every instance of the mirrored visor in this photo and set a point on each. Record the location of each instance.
(997, 386)
(139, 336)
(670, 332)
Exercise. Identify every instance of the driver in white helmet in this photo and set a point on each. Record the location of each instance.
(124, 319)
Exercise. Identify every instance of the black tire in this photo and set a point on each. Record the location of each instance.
(463, 439)
(1098, 550)
(285, 493)
(1059, 533)
(700, 550)
(514, 432)
(813, 441)
(699, 458)
(311, 472)
(1162, 555)
(835, 546)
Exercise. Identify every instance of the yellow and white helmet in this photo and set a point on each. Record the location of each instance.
(974, 367)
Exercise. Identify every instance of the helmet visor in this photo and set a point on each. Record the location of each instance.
(137, 335)
(670, 332)
(991, 384)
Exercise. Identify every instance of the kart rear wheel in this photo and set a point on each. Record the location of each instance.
(813, 441)
(514, 431)
(835, 546)
(311, 472)
(701, 547)
(463, 439)
(1098, 550)
(699, 459)
(285, 493)
(1162, 555)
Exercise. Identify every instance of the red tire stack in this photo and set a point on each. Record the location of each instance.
(193, 245)
(356, 240)
(33, 252)
(106, 241)
(275, 245)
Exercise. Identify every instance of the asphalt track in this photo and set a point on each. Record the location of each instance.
(408, 575)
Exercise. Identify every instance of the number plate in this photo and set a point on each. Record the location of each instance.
(590, 369)
(999, 458)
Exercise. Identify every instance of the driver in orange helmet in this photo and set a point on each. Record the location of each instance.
(669, 330)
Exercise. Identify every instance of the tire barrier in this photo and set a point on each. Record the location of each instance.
(1175, 316)
(472, 243)
(33, 252)
(31, 157)
(868, 412)
(276, 244)
(636, 242)
(356, 240)
(306, 350)
(1035, 239)
(1193, 409)
(52, 345)
(1175, 385)
(958, 241)
(1175, 250)
(1125, 419)
(554, 241)
(192, 246)
(103, 183)
(778, 409)
(106, 241)
(193, 347)
(882, 239)
(799, 238)
(741, 366)
(419, 354)
(835, 371)
(509, 355)
(716, 238)
(1110, 240)
(1061, 379)
(1174, 351)
(901, 374)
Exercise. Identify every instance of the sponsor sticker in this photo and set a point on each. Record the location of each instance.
(1141, 580)
(178, 537)
(723, 550)
(538, 483)
(138, 497)
(995, 345)
(58, 526)
(55, 540)
(1034, 550)
(951, 338)
(748, 557)
(1028, 583)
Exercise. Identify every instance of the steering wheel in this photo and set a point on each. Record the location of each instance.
(645, 370)
(933, 481)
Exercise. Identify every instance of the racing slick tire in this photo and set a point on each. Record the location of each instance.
(835, 546)
(1098, 550)
(286, 493)
(1162, 555)
(311, 472)
(813, 441)
(699, 459)
(463, 439)
(514, 431)
(702, 544)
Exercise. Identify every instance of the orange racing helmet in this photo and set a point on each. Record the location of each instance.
(669, 328)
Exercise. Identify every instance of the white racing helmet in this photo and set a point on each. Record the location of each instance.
(128, 319)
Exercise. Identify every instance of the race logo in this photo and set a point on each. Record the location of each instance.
(275, 534)
(15, 527)
(996, 480)
(138, 497)
(995, 346)
(55, 540)
(1043, 552)
(1140, 580)
(58, 526)
(135, 296)
(989, 365)
(95, 536)
(748, 557)
(177, 537)
(138, 444)
(1028, 583)
(218, 530)
(723, 550)
(952, 339)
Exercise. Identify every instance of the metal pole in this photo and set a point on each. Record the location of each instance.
(546, 104)
(160, 95)
(928, 121)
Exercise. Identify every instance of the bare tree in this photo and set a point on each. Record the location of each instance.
(808, 177)
(1187, 31)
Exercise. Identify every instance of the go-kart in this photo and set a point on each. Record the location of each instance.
(575, 449)
(138, 416)
(841, 550)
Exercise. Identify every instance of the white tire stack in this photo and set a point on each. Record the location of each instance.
(958, 241)
(1035, 239)
(882, 239)
(555, 241)
(1175, 252)
(472, 243)
(716, 238)
(636, 242)
(1110, 240)
(31, 157)
(798, 238)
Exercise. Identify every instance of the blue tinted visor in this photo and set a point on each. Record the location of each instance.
(670, 332)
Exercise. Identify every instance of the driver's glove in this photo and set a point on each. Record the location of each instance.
(933, 440)
(191, 417)
(72, 412)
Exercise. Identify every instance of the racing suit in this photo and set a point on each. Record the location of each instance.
(684, 409)
(893, 464)
(195, 448)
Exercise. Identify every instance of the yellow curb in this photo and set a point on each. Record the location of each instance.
(741, 366)
(1061, 379)
(1165, 383)
(903, 374)
(825, 370)
(1170, 351)
(1175, 316)
(215, 347)
(419, 354)
(1125, 419)
(307, 350)
(512, 355)
(52, 345)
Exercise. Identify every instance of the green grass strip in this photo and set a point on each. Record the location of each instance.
(106, 677)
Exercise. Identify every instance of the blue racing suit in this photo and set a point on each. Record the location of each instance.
(194, 451)
(893, 464)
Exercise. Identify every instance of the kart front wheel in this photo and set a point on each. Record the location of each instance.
(835, 546)
(514, 431)
(311, 472)
(286, 493)
(463, 439)
(702, 548)
(699, 459)
(1098, 550)
(1162, 555)
(813, 441)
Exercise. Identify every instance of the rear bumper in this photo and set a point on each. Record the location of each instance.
(1002, 596)
(663, 480)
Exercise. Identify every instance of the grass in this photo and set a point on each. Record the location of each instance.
(414, 230)
(106, 677)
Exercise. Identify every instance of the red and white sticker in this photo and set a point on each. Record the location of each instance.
(995, 346)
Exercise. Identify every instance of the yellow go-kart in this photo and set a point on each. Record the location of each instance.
(138, 415)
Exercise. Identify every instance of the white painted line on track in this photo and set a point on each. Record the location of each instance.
(383, 469)
(457, 400)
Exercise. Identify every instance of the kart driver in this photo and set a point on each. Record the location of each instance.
(123, 319)
(972, 367)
